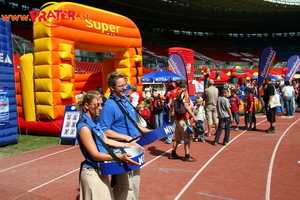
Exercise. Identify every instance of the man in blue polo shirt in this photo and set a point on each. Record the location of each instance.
(116, 125)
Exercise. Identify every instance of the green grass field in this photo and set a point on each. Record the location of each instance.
(28, 143)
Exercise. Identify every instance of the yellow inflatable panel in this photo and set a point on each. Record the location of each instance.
(45, 98)
(41, 109)
(41, 31)
(43, 71)
(42, 58)
(27, 87)
(66, 90)
(42, 44)
(66, 51)
(66, 71)
(43, 85)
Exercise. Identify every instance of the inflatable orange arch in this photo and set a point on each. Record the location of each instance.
(58, 30)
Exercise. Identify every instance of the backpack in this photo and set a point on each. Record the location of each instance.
(158, 104)
(179, 108)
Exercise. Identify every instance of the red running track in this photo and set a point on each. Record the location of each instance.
(254, 165)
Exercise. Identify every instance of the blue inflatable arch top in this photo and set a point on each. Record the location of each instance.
(8, 108)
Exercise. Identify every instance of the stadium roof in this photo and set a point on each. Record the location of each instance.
(218, 16)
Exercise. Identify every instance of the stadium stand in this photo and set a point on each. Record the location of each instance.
(219, 55)
(22, 31)
(87, 67)
(286, 54)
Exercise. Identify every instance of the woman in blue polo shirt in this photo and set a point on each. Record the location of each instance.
(92, 184)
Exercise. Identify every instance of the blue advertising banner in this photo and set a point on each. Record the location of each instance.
(177, 65)
(265, 62)
(4, 106)
(292, 65)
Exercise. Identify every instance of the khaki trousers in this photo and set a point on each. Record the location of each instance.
(94, 186)
(127, 185)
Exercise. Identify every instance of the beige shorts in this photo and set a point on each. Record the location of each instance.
(180, 131)
(211, 114)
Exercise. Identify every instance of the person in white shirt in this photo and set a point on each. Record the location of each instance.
(147, 91)
(288, 94)
(134, 97)
(199, 112)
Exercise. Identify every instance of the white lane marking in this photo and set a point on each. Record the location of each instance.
(3, 170)
(204, 166)
(268, 186)
(53, 180)
(157, 157)
(46, 183)
(79, 169)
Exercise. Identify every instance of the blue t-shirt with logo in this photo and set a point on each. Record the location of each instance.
(88, 122)
(112, 118)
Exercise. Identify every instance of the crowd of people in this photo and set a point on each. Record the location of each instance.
(209, 109)
(126, 113)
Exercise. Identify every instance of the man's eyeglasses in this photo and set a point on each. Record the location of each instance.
(122, 86)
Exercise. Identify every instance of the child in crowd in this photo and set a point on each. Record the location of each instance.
(250, 111)
(139, 116)
(148, 106)
(244, 99)
(199, 112)
(225, 116)
(234, 107)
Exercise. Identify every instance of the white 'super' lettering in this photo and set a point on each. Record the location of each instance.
(103, 27)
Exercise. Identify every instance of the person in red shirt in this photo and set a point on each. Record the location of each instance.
(182, 122)
(234, 107)
(250, 111)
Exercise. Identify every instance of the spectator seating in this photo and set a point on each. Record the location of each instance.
(87, 67)
(22, 31)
